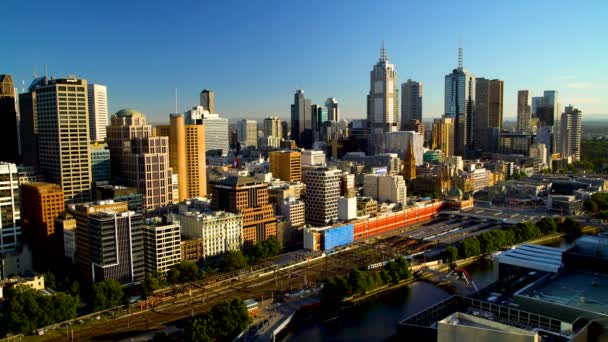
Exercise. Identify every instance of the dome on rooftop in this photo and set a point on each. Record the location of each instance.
(128, 112)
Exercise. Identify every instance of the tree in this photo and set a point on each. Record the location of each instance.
(547, 225)
(452, 253)
(569, 227)
(152, 282)
(107, 294)
(233, 260)
(591, 206)
(469, 248)
(225, 321)
(49, 280)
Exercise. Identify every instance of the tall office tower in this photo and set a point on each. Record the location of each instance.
(63, 136)
(196, 161)
(333, 111)
(272, 127)
(571, 126)
(411, 102)
(301, 119)
(551, 117)
(488, 112)
(29, 124)
(285, 130)
(177, 153)
(249, 197)
(10, 213)
(524, 111)
(161, 245)
(319, 117)
(120, 257)
(125, 125)
(208, 100)
(247, 133)
(100, 162)
(409, 164)
(460, 104)
(322, 193)
(443, 135)
(286, 165)
(45, 201)
(383, 101)
(98, 111)
(9, 128)
(216, 129)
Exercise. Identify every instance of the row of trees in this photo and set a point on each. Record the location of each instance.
(223, 323)
(235, 260)
(500, 238)
(595, 152)
(358, 282)
(25, 309)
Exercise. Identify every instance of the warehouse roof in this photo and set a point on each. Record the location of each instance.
(536, 257)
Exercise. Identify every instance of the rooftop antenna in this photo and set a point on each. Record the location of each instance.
(175, 100)
(383, 56)
(46, 74)
(460, 54)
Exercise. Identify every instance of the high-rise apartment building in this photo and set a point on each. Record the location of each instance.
(161, 245)
(322, 194)
(524, 111)
(10, 212)
(571, 129)
(9, 128)
(443, 135)
(286, 165)
(460, 105)
(488, 112)
(215, 129)
(119, 257)
(301, 120)
(333, 111)
(100, 162)
(63, 136)
(383, 100)
(272, 127)
(98, 111)
(208, 100)
(249, 197)
(44, 202)
(411, 102)
(247, 133)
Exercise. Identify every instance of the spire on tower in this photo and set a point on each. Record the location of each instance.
(460, 57)
(383, 56)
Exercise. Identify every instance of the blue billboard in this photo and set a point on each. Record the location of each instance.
(338, 236)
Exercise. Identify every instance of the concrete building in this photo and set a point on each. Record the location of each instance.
(125, 125)
(293, 209)
(333, 111)
(411, 103)
(460, 105)
(515, 143)
(399, 142)
(10, 213)
(524, 111)
(286, 165)
(109, 242)
(101, 165)
(63, 136)
(443, 135)
(571, 131)
(45, 201)
(192, 249)
(98, 111)
(119, 193)
(539, 153)
(548, 115)
(383, 100)
(347, 208)
(247, 133)
(301, 120)
(28, 125)
(66, 224)
(273, 128)
(487, 113)
(207, 100)
(313, 158)
(215, 128)
(389, 160)
(386, 188)
(8, 112)
(322, 193)
(249, 197)
(161, 245)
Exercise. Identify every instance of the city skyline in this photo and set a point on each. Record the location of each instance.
(265, 52)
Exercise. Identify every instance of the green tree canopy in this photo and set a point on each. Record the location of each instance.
(107, 294)
(233, 260)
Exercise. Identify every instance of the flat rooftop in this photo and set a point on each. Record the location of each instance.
(582, 290)
(536, 257)
(463, 319)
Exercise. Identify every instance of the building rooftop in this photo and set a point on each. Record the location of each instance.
(537, 257)
(239, 180)
(463, 319)
(128, 112)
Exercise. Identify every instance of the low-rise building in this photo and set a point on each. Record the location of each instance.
(161, 245)
(192, 250)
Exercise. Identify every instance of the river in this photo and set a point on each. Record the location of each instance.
(376, 318)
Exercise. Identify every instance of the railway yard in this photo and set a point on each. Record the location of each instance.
(270, 280)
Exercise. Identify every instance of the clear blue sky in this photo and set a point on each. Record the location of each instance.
(255, 54)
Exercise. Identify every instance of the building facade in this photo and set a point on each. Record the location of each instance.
(411, 102)
(301, 119)
(8, 112)
(272, 127)
(487, 113)
(333, 111)
(383, 100)
(322, 193)
(443, 135)
(286, 165)
(216, 129)
(247, 133)
(207, 100)
(460, 104)
(524, 111)
(10, 212)
(161, 245)
(101, 164)
(571, 130)
(218, 232)
(98, 111)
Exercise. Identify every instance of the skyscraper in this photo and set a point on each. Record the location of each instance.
(322, 193)
(319, 117)
(571, 127)
(443, 135)
(524, 110)
(125, 125)
(488, 112)
(383, 101)
(411, 102)
(101, 164)
(10, 213)
(29, 124)
(272, 127)
(333, 111)
(98, 111)
(208, 100)
(216, 129)
(460, 104)
(247, 133)
(63, 136)
(301, 119)
(548, 115)
(8, 114)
